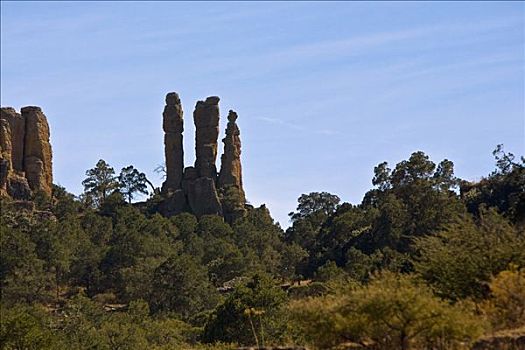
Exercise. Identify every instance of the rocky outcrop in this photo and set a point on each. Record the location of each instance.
(230, 176)
(25, 153)
(202, 191)
(37, 150)
(173, 126)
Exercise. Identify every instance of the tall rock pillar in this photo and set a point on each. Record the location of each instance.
(37, 150)
(229, 181)
(206, 118)
(199, 181)
(173, 126)
(25, 153)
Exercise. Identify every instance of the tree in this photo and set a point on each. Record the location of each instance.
(181, 285)
(100, 182)
(132, 181)
(231, 321)
(315, 203)
(504, 188)
(27, 327)
(460, 260)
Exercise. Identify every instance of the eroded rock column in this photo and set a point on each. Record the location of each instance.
(12, 138)
(173, 125)
(206, 119)
(25, 153)
(199, 181)
(230, 177)
(37, 150)
(231, 170)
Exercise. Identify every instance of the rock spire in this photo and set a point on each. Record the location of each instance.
(202, 190)
(206, 119)
(173, 125)
(25, 153)
(230, 176)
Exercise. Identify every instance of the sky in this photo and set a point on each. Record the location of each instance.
(324, 90)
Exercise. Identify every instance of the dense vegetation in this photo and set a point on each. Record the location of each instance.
(426, 261)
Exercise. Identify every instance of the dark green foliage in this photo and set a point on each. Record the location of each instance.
(132, 181)
(503, 189)
(181, 285)
(99, 183)
(230, 322)
(315, 203)
(27, 327)
(96, 269)
(414, 199)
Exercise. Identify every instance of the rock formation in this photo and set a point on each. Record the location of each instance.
(25, 153)
(206, 119)
(230, 176)
(202, 191)
(173, 126)
(199, 181)
(37, 150)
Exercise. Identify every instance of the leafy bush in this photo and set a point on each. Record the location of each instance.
(392, 311)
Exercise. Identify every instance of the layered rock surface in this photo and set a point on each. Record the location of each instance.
(25, 153)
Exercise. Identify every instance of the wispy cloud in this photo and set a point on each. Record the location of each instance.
(280, 122)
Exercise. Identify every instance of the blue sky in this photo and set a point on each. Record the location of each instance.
(324, 90)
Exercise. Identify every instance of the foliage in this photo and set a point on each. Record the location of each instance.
(506, 305)
(231, 323)
(392, 311)
(132, 181)
(315, 203)
(504, 188)
(100, 182)
(460, 260)
(97, 272)
(181, 285)
(27, 327)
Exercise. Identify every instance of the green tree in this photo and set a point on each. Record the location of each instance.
(100, 182)
(230, 322)
(460, 260)
(504, 188)
(132, 181)
(27, 327)
(181, 285)
(315, 203)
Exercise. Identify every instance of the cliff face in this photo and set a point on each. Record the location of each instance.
(202, 190)
(25, 153)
